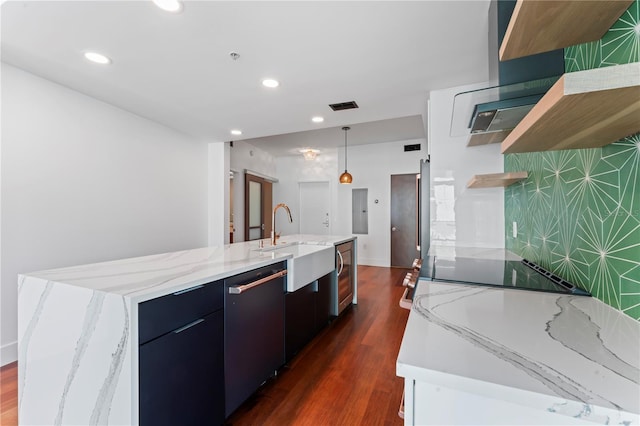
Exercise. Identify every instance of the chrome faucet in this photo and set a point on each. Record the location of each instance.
(274, 236)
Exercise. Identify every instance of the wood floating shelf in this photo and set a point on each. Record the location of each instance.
(496, 180)
(542, 26)
(584, 109)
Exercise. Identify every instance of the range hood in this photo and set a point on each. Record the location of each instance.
(488, 115)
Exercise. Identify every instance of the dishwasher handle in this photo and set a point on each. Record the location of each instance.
(341, 261)
(242, 288)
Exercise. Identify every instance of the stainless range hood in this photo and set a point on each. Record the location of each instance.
(502, 108)
(488, 115)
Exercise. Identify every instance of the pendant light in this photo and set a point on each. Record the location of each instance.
(346, 176)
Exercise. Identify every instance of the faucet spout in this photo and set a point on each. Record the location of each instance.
(274, 236)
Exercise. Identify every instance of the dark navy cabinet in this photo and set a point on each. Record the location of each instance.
(307, 311)
(299, 319)
(323, 302)
(181, 358)
(204, 350)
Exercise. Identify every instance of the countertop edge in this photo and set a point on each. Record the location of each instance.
(151, 287)
(523, 397)
(133, 297)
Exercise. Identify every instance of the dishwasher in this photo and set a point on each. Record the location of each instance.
(254, 331)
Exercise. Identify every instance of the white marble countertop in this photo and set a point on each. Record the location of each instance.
(147, 277)
(78, 326)
(572, 355)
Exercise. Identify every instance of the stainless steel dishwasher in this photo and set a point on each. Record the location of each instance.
(254, 331)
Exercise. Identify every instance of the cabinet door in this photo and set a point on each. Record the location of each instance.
(159, 316)
(182, 375)
(299, 319)
(323, 302)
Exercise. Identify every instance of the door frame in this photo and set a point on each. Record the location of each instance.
(266, 200)
(329, 209)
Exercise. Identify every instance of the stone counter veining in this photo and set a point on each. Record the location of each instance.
(77, 327)
(560, 354)
(147, 277)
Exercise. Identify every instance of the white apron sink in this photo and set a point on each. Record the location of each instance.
(309, 262)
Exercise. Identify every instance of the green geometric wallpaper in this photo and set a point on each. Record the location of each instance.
(578, 212)
(620, 45)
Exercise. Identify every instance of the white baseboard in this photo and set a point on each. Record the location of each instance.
(8, 353)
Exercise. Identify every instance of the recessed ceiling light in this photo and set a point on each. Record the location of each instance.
(98, 58)
(269, 82)
(173, 6)
(236, 132)
(317, 119)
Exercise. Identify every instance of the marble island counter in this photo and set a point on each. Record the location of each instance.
(479, 355)
(78, 326)
(147, 277)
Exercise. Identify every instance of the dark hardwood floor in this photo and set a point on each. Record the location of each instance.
(9, 394)
(345, 376)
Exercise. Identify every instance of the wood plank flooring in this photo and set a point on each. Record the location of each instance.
(345, 376)
(9, 394)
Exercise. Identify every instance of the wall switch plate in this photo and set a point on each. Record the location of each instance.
(515, 229)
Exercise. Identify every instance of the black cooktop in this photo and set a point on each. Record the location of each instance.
(521, 275)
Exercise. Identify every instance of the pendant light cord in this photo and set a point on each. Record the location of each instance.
(345, 149)
(346, 176)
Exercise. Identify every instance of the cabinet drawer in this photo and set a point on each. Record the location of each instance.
(182, 376)
(159, 316)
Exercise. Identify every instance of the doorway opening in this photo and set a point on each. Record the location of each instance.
(315, 205)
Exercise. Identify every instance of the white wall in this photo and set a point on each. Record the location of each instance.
(237, 217)
(83, 181)
(461, 216)
(219, 193)
(291, 171)
(8, 351)
(246, 157)
(371, 167)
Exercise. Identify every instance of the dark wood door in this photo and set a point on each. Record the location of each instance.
(258, 200)
(403, 220)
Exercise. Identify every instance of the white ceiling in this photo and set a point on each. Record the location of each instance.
(394, 129)
(175, 68)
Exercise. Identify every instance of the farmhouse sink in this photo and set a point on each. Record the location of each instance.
(309, 262)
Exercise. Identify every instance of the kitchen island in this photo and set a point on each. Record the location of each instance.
(79, 333)
(480, 355)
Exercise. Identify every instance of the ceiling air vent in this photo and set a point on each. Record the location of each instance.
(343, 105)
(414, 147)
